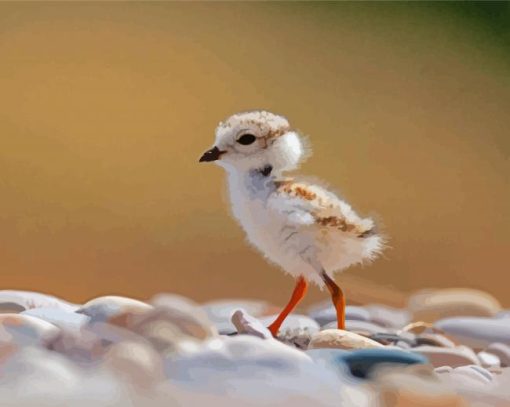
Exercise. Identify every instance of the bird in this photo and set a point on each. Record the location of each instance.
(302, 227)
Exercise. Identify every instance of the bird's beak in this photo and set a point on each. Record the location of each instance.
(211, 155)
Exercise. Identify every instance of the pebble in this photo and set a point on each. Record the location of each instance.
(242, 367)
(500, 350)
(246, 324)
(388, 317)
(488, 360)
(12, 301)
(101, 309)
(25, 330)
(35, 377)
(63, 319)
(362, 362)
(408, 386)
(476, 332)
(434, 339)
(394, 339)
(459, 356)
(136, 361)
(364, 328)
(340, 339)
(475, 372)
(432, 305)
(324, 313)
(503, 314)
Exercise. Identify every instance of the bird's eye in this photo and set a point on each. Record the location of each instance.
(246, 139)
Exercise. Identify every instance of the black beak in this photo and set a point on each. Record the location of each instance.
(211, 155)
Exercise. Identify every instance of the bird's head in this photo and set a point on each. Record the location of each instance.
(256, 140)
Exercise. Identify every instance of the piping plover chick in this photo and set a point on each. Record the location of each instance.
(304, 228)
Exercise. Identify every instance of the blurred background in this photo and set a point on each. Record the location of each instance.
(105, 109)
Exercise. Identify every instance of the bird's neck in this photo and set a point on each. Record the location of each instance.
(254, 183)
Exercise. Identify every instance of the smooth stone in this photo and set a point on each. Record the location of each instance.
(476, 332)
(454, 357)
(25, 330)
(326, 355)
(294, 322)
(413, 386)
(432, 305)
(249, 363)
(170, 323)
(503, 314)
(138, 362)
(101, 309)
(83, 347)
(443, 369)
(246, 324)
(488, 359)
(164, 335)
(324, 313)
(340, 339)
(364, 328)
(475, 372)
(393, 339)
(63, 319)
(434, 339)
(388, 317)
(500, 350)
(191, 320)
(35, 376)
(362, 362)
(13, 301)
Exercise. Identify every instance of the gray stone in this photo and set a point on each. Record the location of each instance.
(246, 324)
(459, 356)
(432, 305)
(502, 351)
(360, 327)
(388, 317)
(475, 372)
(476, 332)
(104, 308)
(488, 360)
(13, 301)
(340, 339)
(25, 330)
(324, 313)
(63, 319)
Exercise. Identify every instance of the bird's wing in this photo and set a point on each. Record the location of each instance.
(309, 205)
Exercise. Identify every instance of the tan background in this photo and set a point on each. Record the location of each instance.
(105, 109)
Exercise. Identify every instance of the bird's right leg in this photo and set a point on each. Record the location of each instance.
(338, 298)
(297, 295)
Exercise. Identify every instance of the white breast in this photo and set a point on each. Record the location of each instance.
(268, 230)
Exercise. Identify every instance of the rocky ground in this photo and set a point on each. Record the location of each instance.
(445, 348)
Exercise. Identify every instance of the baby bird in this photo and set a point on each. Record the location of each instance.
(305, 229)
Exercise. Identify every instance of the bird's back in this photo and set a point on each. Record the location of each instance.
(291, 222)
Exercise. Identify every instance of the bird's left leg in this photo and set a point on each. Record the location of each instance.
(297, 295)
(338, 298)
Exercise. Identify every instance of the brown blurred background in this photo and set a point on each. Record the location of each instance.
(106, 107)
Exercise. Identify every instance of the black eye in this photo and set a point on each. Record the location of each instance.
(246, 139)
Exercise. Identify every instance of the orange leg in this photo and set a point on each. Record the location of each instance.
(297, 295)
(338, 298)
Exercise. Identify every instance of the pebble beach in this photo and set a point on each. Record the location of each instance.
(446, 347)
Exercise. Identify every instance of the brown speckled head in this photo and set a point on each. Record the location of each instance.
(269, 125)
(255, 140)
